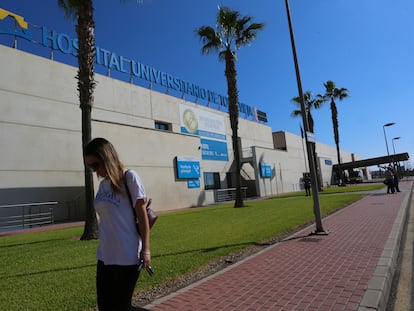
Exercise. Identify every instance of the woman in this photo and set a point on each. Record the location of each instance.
(122, 252)
(389, 180)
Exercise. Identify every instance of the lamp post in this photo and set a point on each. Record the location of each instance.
(312, 168)
(385, 136)
(393, 149)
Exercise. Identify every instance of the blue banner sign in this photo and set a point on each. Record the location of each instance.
(265, 170)
(188, 168)
(193, 183)
(214, 150)
(211, 127)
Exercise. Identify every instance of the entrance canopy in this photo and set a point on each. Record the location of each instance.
(373, 161)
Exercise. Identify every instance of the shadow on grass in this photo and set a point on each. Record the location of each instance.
(199, 250)
(46, 271)
(32, 243)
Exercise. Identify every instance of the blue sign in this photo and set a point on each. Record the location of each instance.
(188, 168)
(328, 162)
(193, 183)
(265, 170)
(214, 150)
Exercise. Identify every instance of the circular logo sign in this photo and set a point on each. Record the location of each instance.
(190, 121)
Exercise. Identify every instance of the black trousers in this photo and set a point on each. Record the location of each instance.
(390, 186)
(115, 286)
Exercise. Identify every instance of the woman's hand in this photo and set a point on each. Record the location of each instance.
(146, 259)
(144, 229)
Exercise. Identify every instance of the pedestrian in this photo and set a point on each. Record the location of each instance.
(122, 251)
(389, 180)
(396, 180)
(307, 184)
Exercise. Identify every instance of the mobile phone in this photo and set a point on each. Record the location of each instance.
(150, 271)
(140, 266)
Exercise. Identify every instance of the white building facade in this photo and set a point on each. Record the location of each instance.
(182, 150)
(41, 139)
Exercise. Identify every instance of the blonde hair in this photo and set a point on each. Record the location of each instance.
(105, 151)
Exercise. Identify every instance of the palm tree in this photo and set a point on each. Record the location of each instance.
(310, 103)
(333, 93)
(82, 10)
(232, 31)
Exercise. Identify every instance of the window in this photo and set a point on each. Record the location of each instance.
(162, 126)
(211, 180)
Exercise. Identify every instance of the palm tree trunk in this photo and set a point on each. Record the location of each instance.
(336, 136)
(310, 121)
(90, 230)
(232, 92)
(335, 128)
(311, 124)
(86, 85)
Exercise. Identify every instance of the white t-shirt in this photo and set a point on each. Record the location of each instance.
(119, 242)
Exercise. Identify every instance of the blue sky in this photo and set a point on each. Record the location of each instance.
(366, 46)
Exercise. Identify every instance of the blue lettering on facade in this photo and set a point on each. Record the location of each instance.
(114, 63)
(145, 72)
(68, 45)
(176, 84)
(189, 89)
(64, 43)
(196, 90)
(182, 86)
(46, 36)
(156, 74)
(105, 56)
(61, 42)
(75, 43)
(226, 101)
(170, 82)
(122, 60)
(222, 100)
(98, 55)
(212, 97)
(203, 93)
(164, 79)
(136, 70)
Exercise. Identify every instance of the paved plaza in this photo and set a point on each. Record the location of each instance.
(351, 268)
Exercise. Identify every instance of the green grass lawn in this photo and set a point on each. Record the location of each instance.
(54, 270)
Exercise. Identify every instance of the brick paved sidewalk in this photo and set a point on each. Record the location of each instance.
(349, 269)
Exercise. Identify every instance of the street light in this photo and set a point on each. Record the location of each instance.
(309, 147)
(393, 149)
(385, 136)
(395, 138)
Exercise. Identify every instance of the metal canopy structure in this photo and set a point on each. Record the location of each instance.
(374, 161)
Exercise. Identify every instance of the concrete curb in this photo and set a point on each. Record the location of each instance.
(379, 287)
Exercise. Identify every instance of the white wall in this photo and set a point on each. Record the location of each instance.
(40, 137)
(41, 131)
(39, 122)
